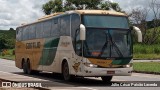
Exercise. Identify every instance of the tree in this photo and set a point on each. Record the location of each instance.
(52, 6)
(3, 41)
(138, 17)
(11, 29)
(59, 5)
(155, 7)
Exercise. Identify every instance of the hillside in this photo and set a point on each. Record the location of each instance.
(10, 34)
(7, 39)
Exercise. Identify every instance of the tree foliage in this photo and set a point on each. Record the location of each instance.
(60, 5)
(3, 42)
(7, 39)
(139, 16)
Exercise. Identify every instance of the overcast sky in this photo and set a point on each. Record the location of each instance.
(15, 12)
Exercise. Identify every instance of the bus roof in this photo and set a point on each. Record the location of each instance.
(108, 12)
(100, 12)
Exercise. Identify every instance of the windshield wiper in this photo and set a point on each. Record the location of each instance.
(104, 46)
(116, 47)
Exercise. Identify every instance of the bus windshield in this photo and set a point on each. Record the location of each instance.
(105, 21)
(107, 37)
(107, 43)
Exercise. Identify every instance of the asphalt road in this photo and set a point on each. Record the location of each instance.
(85, 83)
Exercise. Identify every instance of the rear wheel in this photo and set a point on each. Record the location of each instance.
(65, 72)
(29, 70)
(106, 79)
(35, 72)
(24, 67)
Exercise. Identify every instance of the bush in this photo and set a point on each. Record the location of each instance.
(5, 52)
(157, 50)
(146, 49)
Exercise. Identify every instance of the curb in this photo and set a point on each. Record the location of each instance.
(155, 73)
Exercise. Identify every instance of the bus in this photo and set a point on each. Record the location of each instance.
(84, 43)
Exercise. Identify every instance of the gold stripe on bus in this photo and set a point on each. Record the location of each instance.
(32, 53)
(100, 62)
(103, 63)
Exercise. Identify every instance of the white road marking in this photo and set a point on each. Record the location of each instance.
(88, 88)
(8, 66)
(117, 80)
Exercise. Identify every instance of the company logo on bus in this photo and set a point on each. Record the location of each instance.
(32, 45)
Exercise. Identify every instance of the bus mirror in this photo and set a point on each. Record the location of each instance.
(82, 32)
(139, 33)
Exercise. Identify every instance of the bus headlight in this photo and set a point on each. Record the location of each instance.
(128, 65)
(90, 65)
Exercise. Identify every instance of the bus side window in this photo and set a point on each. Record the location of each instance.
(32, 31)
(75, 22)
(25, 32)
(47, 28)
(78, 43)
(19, 34)
(55, 27)
(39, 30)
(65, 26)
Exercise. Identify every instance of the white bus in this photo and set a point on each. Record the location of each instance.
(87, 43)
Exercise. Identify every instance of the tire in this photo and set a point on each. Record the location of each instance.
(35, 72)
(65, 72)
(24, 67)
(106, 79)
(29, 71)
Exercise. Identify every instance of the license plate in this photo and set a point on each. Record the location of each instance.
(110, 72)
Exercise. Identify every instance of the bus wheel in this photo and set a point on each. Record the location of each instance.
(24, 66)
(29, 71)
(106, 79)
(65, 71)
(35, 72)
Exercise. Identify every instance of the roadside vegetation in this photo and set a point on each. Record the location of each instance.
(7, 44)
(147, 67)
(142, 51)
(8, 54)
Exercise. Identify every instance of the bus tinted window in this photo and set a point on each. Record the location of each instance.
(105, 21)
(75, 24)
(32, 32)
(47, 28)
(39, 30)
(55, 27)
(25, 32)
(65, 25)
(19, 34)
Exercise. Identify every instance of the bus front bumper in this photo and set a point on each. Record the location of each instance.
(89, 71)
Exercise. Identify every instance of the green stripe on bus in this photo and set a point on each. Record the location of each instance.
(49, 51)
(121, 62)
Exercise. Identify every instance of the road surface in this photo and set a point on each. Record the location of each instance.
(8, 66)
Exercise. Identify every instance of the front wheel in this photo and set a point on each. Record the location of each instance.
(106, 79)
(65, 72)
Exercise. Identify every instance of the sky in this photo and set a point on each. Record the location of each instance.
(15, 12)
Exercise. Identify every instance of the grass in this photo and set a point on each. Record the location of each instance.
(153, 67)
(146, 51)
(146, 56)
(9, 55)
